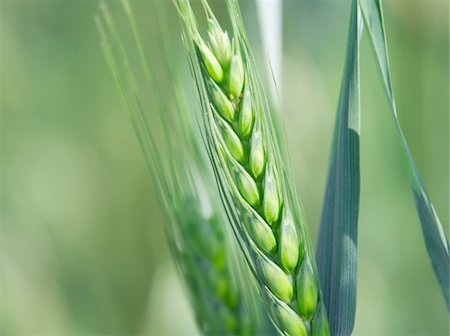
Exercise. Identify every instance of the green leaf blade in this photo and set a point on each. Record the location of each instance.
(435, 240)
(338, 238)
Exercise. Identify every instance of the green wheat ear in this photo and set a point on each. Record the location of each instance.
(250, 171)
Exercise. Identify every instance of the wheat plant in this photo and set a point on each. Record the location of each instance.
(248, 155)
(256, 191)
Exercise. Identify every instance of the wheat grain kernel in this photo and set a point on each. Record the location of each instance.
(261, 233)
(233, 142)
(246, 186)
(246, 116)
(223, 104)
(277, 281)
(291, 322)
(220, 43)
(236, 76)
(257, 158)
(289, 242)
(307, 290)
(211, 63)
(271, 202)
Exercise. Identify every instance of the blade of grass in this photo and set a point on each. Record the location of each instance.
(338, 238)
(435, 240)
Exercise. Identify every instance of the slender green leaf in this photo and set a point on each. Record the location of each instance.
(337, 247)
(435, 240)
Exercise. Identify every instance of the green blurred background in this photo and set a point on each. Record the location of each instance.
(82, 246)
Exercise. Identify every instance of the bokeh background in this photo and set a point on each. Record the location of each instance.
(82, 248)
